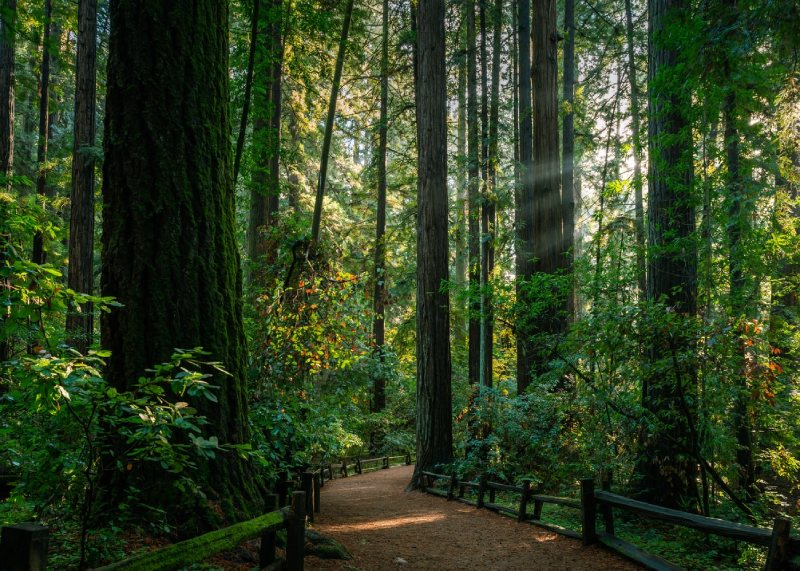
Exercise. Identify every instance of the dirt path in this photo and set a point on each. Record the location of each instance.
(384, 527)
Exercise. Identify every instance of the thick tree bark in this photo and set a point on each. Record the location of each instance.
(641, 271)
(379, 382)
(665, 469)
(434, 406)
(462, 255)
(473, 198)
(326, 142)
(484, 209)
(548, 211)
(265, 183)
(524, 206)
(568, 142)
(80, 324)
(490, 199)
(38, 255)
(169, 247)
(8, 25)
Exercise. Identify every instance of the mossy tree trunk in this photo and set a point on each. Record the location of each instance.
(169, 251)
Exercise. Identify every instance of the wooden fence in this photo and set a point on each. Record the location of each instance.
(782, 554)
(356, 465)
(23, 547)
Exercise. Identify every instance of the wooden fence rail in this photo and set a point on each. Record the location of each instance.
(783, 550)
(356, 465)
(23, 547)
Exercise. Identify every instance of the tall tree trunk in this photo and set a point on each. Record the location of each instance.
(514, 74)
(326, 143)
(379, 388)
(490, 198)
(737, 228)
(434, 406)
(265, 184)
(666, 470)
(641, 271)
(738, 201)
(473, 174)
(80, 323)
(568, 136)
(548, 241)
(248, 90)
(524, 206)
(8, 25)
(38, 256)
(462, 255)
(169, 245)
(484, 211)
(8, 30)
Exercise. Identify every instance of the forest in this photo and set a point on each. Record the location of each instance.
(539, 240)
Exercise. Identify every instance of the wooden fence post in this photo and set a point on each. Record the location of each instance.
(452, 487)
(267, 550)
(307, 485)
(358, 465)
(23, 547)
(588, 511)
(385, 462)
(778, 554)
(318, 479)
(523, 500)
(482, 489)
(408, 458)
(605, 509)
(282, 487)
(296, 533)
(537, 504)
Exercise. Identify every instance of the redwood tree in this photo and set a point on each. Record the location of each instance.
(8, 17)
(378, 326)
(434, 416)
(81, 229)
(524, 197)
(666, 469)
(169, 249)
(265, 183)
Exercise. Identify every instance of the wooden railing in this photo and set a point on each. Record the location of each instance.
(356, 465)
(782, 554)
(23, 547)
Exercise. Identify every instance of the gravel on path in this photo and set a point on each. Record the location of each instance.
(386, 528)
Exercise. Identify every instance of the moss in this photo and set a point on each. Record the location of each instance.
(169, 247)
(324, 547)
(199, 548)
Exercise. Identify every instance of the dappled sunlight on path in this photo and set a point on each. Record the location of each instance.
(385, 527)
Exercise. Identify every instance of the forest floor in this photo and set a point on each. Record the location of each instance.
(386, 528)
